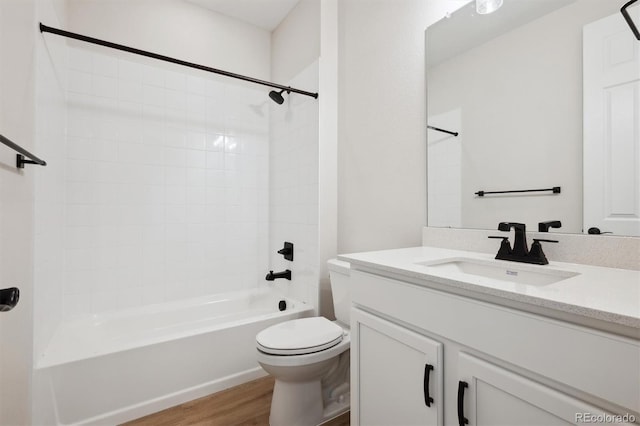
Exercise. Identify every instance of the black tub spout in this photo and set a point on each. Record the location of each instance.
(275, 275)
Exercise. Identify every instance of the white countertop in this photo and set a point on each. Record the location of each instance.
(605, 294)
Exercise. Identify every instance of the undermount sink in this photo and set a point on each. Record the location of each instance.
(500, 270)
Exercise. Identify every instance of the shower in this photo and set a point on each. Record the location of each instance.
(277, 96)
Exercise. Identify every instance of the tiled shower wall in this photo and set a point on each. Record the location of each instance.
(294, 188)
(51, 118)
(166, 181)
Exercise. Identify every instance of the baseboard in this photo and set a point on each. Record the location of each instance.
(136, 411)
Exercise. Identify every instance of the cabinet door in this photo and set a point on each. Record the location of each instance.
(396, 374)
(492, 396)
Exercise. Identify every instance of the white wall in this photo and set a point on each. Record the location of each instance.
(178, 29)
(17, 82)
(293, 189)
(521, 118)
(295, 43)
(382, 130)
(328, 148)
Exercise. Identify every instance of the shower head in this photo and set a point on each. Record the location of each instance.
(277, 96)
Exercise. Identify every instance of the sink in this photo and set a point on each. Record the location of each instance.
(500, 270)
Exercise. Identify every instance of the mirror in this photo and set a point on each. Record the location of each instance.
(511, 85)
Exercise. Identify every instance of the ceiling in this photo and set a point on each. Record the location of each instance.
(266, 14)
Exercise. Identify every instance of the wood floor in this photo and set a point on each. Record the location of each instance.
(247, 404)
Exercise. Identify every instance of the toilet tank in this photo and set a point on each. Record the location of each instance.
(339, 272)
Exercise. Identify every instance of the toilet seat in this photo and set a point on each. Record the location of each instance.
(299, 337)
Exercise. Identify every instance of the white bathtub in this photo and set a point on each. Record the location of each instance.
(116, 367)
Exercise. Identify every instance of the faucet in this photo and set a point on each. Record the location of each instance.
(544, 226)
(519, 248)
(274, 276)
(520, 251)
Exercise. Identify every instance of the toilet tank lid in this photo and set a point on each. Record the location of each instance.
(339, 266)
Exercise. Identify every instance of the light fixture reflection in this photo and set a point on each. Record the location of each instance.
(484, 7)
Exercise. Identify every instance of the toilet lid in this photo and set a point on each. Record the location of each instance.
(300, 336)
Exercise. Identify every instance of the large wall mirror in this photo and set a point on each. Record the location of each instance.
(511, 85)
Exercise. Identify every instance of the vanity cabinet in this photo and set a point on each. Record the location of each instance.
(491, 395)
(400, 380)
(492, 365)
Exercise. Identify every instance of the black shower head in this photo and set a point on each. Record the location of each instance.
(277, 96)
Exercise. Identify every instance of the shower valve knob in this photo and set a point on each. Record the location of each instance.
(287, 251)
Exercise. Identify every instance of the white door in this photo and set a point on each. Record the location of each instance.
(397, 374)
(611, 76)
(489, 395)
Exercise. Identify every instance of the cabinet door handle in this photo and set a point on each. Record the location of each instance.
(427, 398)
(462, 420)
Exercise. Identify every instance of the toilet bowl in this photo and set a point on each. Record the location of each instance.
(309, 359)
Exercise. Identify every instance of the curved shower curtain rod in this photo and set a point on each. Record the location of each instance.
(44, 28)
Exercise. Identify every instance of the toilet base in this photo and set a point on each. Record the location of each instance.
(302, 401)
(300, 404)
(296, 404)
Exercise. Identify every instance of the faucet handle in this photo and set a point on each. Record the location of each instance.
(505, 247)
(536, 254)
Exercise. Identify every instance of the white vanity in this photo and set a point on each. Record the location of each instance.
(442, 336)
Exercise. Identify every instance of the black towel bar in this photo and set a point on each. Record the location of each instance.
(20, 161)
(437, 129)
(555, 190)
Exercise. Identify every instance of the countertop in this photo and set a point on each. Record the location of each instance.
(603, 294)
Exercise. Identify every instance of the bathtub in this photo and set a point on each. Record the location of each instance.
(116, 367)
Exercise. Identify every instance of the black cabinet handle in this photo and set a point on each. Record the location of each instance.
(427, 398)
(462, 420)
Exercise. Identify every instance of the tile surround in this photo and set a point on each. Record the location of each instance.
(166, 178)
(169, 186)
(49, 205)
(293, 205)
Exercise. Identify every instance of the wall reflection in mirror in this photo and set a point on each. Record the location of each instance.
(535, 105)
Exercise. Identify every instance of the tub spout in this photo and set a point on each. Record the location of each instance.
(275, 275)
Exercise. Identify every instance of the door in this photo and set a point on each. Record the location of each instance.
(492, 396)
(397, 374)
(611, 158)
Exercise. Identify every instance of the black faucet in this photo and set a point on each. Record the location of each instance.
(544, 226)
(519, 248)
(520, 251)
(274, 276)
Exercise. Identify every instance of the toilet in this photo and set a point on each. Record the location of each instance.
(309, 359)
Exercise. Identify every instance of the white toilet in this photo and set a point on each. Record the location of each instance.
(309, 359)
